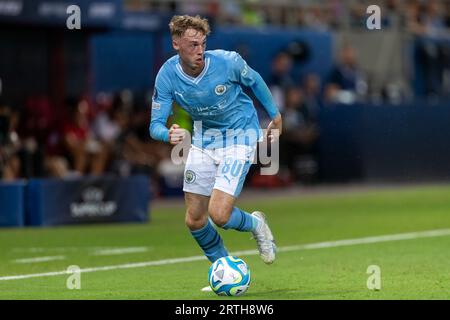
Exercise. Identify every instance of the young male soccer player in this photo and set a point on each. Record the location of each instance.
(207, 84)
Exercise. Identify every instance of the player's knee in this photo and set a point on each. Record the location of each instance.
(219, 216)
(219, 221)
(195, 223)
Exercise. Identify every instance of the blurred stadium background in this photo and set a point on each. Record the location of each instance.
(361, 107)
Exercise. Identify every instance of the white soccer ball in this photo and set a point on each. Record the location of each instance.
(229, 276)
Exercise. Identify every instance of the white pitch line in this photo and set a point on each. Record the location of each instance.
(351, 242)
(39, 259)
(118, 251)
(319, 245)
(107, 268)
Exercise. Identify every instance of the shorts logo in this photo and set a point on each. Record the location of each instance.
(156, 106)
(220, 89)
(189, 176)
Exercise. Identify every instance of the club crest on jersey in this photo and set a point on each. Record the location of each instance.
(189, 176)
(220, 89)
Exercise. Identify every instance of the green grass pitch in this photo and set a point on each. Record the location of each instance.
(416, 268)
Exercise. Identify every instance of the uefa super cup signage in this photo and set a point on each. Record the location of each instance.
(93, 204)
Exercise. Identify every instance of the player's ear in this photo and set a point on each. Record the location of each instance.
(175, 43)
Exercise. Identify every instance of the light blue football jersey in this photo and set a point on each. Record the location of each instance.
(222, 113)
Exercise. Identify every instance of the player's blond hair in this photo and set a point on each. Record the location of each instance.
(179, 24)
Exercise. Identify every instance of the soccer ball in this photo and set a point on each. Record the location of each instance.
(229, 276)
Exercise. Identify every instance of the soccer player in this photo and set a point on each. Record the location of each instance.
(207, 84)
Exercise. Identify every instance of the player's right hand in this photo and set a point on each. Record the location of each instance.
(275, 128)
(176, 134)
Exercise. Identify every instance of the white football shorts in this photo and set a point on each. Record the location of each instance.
(223, 169)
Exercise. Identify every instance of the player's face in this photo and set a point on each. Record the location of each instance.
(191, 49)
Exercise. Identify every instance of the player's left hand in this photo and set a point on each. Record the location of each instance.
(275, 128)
(176, 134)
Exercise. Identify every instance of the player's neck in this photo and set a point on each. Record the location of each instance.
(190, 71)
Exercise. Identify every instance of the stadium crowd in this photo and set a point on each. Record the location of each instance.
(109, 133)
(412, 18)
(419, 16)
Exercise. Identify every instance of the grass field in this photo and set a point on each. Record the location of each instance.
(413, 268)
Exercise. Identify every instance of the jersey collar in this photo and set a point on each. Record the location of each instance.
(192, 79)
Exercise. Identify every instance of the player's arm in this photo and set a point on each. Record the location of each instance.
(250, 78)
(161, 109)
(262, 92)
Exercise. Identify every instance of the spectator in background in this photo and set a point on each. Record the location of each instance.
(392, 17)
(231, 12)
(313, 96)
(134, 153)
(33, 147)
(108, 124)
(252, 15)
(113, 127)
(37, 123)
(281, 77)
(55, 159)
(273, 13)
(317, 19)
(346, 82)
(433, 20)
(87, 155)
(427, 24)
(281, 70)
(297, 144)
(10, 144)
(447, 14)
(125, 138)
(426, 18)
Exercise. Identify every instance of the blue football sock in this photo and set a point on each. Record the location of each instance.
(241, 221)
(210, 241)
